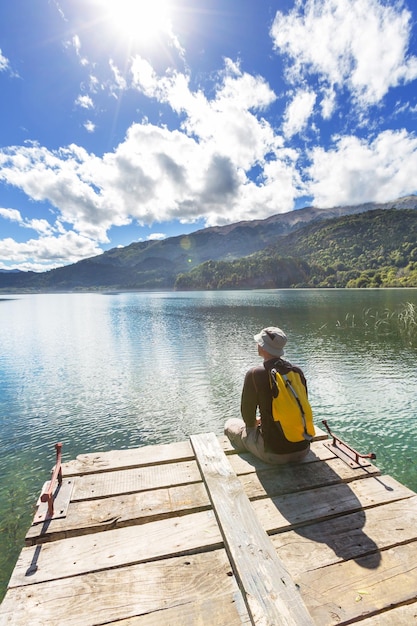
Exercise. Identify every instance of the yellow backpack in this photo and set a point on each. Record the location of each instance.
(290, 406)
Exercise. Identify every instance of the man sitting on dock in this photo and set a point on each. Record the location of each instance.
(264, 437)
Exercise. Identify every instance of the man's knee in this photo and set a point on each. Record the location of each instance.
(234, 426)
(234, 429)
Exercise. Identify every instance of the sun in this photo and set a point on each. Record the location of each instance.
(138, 21)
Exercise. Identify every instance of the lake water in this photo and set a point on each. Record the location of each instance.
(101, 372)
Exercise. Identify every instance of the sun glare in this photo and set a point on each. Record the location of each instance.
(138, 20)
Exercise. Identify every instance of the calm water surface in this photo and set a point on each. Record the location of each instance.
(101, 372)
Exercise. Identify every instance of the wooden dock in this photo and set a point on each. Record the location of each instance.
(175, 535)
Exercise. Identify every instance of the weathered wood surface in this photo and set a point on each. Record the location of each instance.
(92, 516)
(96, 462)
(190, 585)
(367, 584)
(405, 615)
(184, 533)
(141, 544)
(297, 509)
(93, 463)
(134, 480)
(271, 595)
(121, 546)
(347, 536)
(302, 477)
(123, 507)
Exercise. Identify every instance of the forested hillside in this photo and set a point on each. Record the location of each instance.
(373, 249)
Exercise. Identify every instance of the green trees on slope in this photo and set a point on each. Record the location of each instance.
(372, 249)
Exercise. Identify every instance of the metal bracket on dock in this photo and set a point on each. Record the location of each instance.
(56, 493)
(344, 451)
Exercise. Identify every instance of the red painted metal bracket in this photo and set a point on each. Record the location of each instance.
(345, 448)
(55, 498)
(49, 494)
(51, 489)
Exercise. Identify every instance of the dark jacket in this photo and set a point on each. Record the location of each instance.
(256, 394)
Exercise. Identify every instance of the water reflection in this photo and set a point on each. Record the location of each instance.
(103, 372)
(126, 369)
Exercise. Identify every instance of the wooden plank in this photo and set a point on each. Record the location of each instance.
(61, 499)
(116, 548)
(344, 592)
(111, 483)
(296, 509)
(135, 480)
(181, 583)
(271, 595)
(90, 516)
(277, 514)
(348, 536)
(301, 477)
(246, 463)
(208, 612)
(95, 462)
(97, 515)
(111, 460)
(398, 616)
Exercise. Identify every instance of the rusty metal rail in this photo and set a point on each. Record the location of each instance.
(48, 495)
(337, 440)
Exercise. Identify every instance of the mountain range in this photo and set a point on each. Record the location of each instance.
(157, 264)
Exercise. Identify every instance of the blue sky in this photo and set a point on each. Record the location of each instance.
(127, 120)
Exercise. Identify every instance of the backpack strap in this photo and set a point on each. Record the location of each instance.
(303, 416)
(274, 387)
(279, 367)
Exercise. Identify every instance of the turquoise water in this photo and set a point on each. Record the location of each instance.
(101, 372)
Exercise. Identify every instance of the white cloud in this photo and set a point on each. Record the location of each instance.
(225, 162)
(227, 124)
(93, 83)
(41, 226)
(156, 236)
(5, 66)
(11, 214)
(144, 76)
(89, 126)
(58, 177)
(361, 45)
(76, 44)
(328, 102)
(404, 107)
(85, 102)
(118, 77)
(200, 171)
(357, 171)
(4, 62)
(298, 112)
(47, 252)
(226, 136)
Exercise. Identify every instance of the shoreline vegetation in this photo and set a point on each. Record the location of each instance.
(401, 322)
